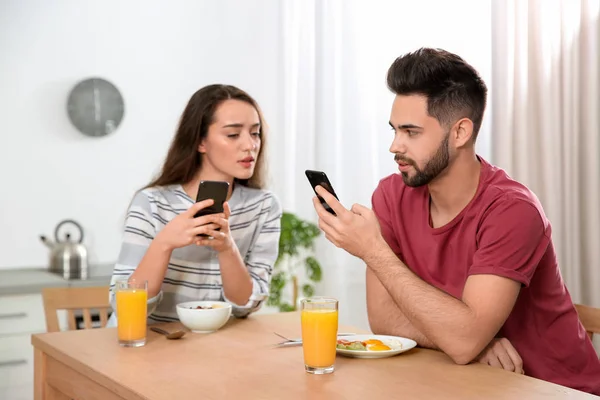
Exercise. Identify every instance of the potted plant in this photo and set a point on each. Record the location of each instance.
(296, 246)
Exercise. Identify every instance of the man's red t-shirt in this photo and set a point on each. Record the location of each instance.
(503, 231)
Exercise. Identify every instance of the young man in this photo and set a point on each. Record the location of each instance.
(459, 256)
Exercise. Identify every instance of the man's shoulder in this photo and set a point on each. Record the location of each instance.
(501, 191)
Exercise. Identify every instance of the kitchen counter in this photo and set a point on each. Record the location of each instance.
(25, 281)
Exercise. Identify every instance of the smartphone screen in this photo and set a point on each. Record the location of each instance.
(216, 190)
(319, 178)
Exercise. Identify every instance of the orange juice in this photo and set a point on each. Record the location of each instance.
(319, 337)
(131, 314)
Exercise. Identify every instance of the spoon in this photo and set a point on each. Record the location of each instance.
(171, 335)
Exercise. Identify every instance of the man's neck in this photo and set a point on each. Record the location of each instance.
(451, 192)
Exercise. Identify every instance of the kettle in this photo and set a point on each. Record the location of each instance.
(68, 258)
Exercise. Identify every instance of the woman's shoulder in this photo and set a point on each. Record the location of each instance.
(253, 195)
(163, 195)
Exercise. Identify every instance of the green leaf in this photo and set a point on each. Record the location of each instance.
(285, 307)
(296, 240)
(274, 298)
(313, 269)
(278, 282)
(296, 234)
(308, 290)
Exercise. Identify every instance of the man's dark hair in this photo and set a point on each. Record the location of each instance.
(453, 88)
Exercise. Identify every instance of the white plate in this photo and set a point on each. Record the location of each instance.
(397, 343)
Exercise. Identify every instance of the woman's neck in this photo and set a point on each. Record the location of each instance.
(191, 187)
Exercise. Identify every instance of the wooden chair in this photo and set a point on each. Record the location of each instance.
(71, 299)
(590, 318)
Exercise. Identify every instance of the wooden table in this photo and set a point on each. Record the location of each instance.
(239, 361)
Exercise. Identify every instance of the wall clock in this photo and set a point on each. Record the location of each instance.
(95, 107)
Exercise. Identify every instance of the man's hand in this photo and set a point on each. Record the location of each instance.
(500, 353)
(356, 230)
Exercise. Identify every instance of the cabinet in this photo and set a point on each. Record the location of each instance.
(20, 316)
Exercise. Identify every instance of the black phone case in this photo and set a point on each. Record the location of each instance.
(216, 190)
(317, 178)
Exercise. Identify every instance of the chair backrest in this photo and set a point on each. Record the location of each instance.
(72, 299)
(590, 318)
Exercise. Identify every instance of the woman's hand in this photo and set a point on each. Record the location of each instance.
(184, 229)
(220, 240)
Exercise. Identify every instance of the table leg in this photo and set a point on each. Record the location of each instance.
(39, 374)
(53, 394)
(41, 389)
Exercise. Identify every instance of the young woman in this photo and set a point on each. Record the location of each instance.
(220, 137)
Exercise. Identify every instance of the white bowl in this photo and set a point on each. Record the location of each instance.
(203, 321)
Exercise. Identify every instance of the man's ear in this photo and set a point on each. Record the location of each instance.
(462, 131)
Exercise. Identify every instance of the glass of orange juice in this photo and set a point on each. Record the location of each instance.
(319, 318)
(132, 300)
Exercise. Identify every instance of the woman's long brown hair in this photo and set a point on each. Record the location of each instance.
(183, 159)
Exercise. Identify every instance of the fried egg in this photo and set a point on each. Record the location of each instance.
(372, 341)
(378, 347)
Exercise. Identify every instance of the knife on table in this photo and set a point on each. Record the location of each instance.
(298, 341)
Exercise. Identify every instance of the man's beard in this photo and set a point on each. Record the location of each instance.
(432, 169)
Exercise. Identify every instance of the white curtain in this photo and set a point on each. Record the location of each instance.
(545, 123)
(325, 130)
(335, 105)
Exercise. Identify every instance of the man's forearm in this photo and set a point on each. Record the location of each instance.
(385, 317)
(393, 322)
(445, 321)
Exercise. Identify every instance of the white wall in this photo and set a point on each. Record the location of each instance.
(157, 53)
